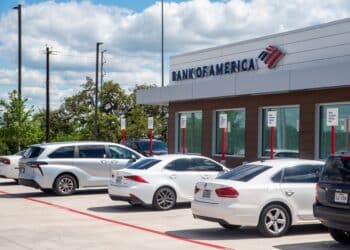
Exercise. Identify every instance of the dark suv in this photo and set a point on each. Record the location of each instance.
(332, 204)
(143, 146)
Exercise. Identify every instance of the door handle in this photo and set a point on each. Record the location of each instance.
(289, 192)
(206, 177)
(173, 176)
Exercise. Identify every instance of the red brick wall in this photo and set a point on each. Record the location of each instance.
(306, 99)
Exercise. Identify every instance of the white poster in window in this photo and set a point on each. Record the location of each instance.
(150, 122)
(223, 121)
(271, 119)
(183, 121)
(228, 127)
(122, 123)
(332, 117)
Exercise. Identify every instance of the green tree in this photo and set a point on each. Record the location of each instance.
(18, 130)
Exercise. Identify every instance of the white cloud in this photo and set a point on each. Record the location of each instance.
(132, 39)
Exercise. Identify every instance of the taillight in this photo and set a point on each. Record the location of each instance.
(37, 164)
(317, 190)
(196, 189)
(5, 161)
(227, 192)
(136, 178)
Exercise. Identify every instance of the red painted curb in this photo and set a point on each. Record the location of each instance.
(122, 223)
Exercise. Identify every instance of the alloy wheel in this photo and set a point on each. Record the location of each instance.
(165, 198)
(275, 220)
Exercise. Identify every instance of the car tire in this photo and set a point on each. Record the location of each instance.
(274, 221)
(340, 235)
(229, 226)
(164, 198)
(64, 185)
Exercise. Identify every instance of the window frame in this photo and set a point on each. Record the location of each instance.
(177, 131)
(213, 148)
(317, 126)
(261, 126)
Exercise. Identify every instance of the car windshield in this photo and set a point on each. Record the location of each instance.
(244, 173)
(337, 169)
(144, 163)
(156, 146)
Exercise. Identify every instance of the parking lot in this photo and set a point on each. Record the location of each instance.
(31, 219)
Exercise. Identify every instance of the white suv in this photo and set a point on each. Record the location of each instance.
(64, 167)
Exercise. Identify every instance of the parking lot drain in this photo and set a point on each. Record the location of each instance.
(121, 223)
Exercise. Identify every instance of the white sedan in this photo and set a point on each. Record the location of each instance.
(9, 165)
(272, 195)
(161, 181)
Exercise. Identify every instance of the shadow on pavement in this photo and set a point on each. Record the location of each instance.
(8, 183)
(133, 209)
(242, 233)
(323, 245)
(39, 194)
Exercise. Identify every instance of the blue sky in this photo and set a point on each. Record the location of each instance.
(130, 30)
(136, 5)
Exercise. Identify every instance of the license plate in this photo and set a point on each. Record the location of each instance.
(206, 193)
(341, 198)
(118, 179)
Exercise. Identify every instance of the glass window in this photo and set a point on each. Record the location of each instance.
(63, 152)
(117, 152)
(286, 131)
(200, 164)
(33, 152)
(92, 151)
(302, 174)
(144, 163)
(244, 173)
(156, 146)
(342, 138)
(179, 165)
(193, 132)
(277, 177)
(235, 137)
(337, 169)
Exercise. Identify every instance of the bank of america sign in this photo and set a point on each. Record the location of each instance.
(270, 57)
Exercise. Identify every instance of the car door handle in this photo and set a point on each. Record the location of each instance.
(173, 176)
(205, 177)
(289, 192)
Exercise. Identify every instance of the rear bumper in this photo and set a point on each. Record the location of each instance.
(131, 199)
(226, 213)
(336, 218)
(29, 183)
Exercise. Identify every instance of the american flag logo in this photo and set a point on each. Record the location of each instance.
(270, 56)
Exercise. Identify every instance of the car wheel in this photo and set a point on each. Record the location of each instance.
(274, 221)
(229, 226)
(65, 185)
(164, 199)
(340, 235)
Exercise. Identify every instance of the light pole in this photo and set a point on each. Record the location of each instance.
(19, 10)
(102, 63)
(162, 10)
(98, 44)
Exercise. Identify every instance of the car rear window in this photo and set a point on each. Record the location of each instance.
(337, 169)
(144, 164)
(156, 146)
(244, 173)
(33, 152)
